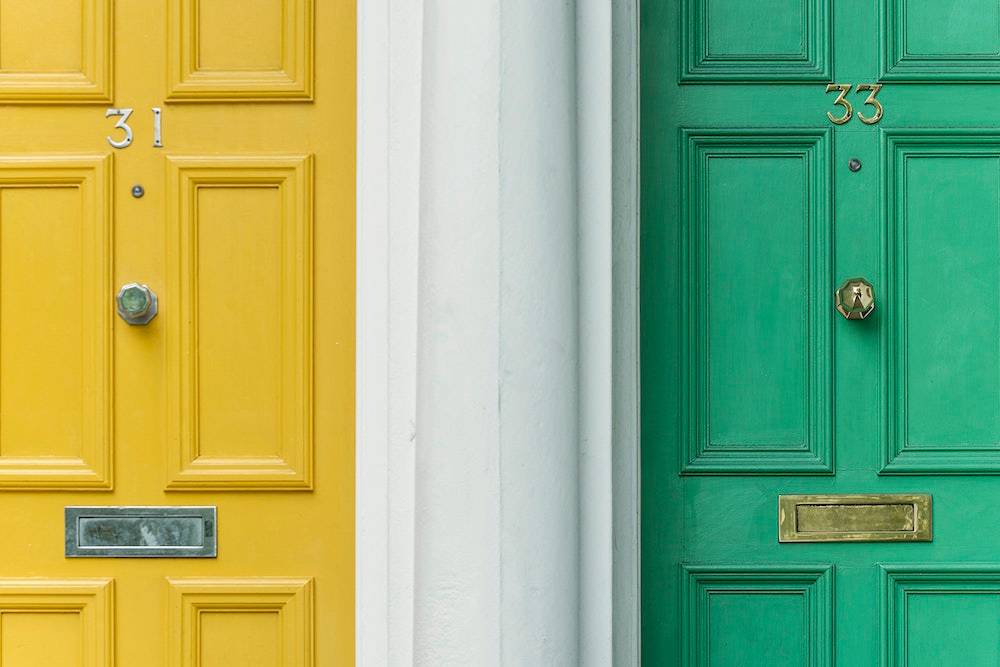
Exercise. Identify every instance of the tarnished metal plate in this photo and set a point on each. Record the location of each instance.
(141, 532)
(855, 518)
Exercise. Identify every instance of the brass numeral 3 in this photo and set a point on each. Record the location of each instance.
(842, 100)
(874, 88)
(844, 88)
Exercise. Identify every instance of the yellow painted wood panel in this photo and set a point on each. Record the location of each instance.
(41, 638)
(41, 347)
(55, 338)
(260, 50)
(23, 19)
(64, 623)
(250, 39)
(59, 51)
(239, 411)
(261, 622)
(242, 406)
(240, 392)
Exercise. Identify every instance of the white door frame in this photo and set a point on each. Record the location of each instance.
(624, 382)
(390, 49)
(388, 153)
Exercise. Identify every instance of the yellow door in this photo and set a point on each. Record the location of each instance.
(234, 205)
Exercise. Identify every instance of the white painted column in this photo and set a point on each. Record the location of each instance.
(497, 257)
(457, 516)
(497, 524)
(539, 345)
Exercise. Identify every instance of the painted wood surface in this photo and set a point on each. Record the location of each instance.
(753, 386)
(239, 394)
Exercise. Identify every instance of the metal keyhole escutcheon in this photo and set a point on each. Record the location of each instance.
(136, 303)
(855, 299)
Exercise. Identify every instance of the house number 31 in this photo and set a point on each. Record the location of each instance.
(842, 100)
(122, 124)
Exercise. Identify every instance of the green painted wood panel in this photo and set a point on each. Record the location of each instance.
(941, 40)
(751, 343)
(948, 294)
(781, 615)
(778, 340)
(742, 176)
(934, 615)
(734, 40)
(771, 626)
(943, 291)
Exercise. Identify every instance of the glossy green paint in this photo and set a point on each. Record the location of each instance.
(752, 385)
(780, 615)
(785, 424)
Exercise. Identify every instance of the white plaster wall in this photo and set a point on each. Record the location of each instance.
(490, 334)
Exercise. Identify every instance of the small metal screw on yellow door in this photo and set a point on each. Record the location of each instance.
(855, 299)
(136, 303)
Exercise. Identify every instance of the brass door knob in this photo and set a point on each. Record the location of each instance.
(855, 299)
(136, 303)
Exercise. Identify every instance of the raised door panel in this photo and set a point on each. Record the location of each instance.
(240, 354)
(757, 236)
(942, 291)
(69, 623)
(55, 351)
(770, 615)
(240, 50)
(263, 622)
(939, 615)
(769, 40)
(933, 40)
(75, 63)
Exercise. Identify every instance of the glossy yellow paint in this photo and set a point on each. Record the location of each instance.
(240, 393)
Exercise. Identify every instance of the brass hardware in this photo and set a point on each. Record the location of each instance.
(855, 518)
(855, 299)
(841, 100)
(874, 88)
(844, 88)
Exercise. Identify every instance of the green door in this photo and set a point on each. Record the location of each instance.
(756, 207)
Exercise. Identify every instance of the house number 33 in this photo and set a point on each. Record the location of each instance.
(842, 100)
(126, 131)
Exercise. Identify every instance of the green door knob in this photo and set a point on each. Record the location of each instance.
(855, 299)
(136, 303)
